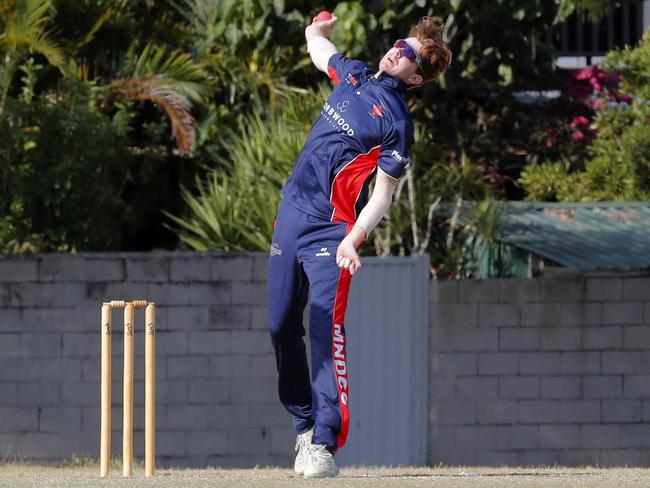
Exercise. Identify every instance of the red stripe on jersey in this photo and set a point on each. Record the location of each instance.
(348, 184)
(339, 356)
(331, 72)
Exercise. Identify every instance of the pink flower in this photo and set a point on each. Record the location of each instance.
(579, 120)
(577, 136)
(596, 85)
(585, 73)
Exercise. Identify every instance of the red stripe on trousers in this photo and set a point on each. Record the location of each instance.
(348, 184)
(339, 356)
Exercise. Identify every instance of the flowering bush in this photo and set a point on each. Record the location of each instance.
(614, 129)
(582, 129)
(591, 88)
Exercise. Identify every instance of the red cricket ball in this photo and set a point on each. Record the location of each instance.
(323, 15)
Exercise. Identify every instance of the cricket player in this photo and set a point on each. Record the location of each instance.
(363, 132)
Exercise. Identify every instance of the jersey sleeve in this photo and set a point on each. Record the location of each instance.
(393, 156)
(338, 67)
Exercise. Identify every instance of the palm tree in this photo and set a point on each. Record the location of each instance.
(171, 80)
(25, 32)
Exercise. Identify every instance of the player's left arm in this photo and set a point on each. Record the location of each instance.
(393, 159)
(377, 206)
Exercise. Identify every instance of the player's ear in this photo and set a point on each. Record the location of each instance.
(415, 80)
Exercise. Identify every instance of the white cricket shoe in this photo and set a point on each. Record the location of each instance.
(303, 441)
(321, 463)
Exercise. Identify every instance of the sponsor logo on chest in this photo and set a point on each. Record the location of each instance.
(336, 120)
(351, 79)
(377, 109)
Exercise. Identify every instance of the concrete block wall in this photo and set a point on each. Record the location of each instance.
(540, 371)
(521, 372)
(216, 397)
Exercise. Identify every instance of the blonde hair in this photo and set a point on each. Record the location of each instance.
(434, 53)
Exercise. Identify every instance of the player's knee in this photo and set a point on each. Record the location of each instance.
(286, 328)
(275, 327)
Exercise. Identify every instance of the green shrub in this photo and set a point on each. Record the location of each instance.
(62, 167)
(234, 206)
(547, 182)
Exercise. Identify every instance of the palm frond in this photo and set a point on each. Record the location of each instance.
(27, 26)
(153, 88)
(179, 71)
(202, 15)
(103, 19)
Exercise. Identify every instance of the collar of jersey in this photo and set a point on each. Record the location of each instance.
(389, 81)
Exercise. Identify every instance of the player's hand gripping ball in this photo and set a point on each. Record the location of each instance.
(322, 15)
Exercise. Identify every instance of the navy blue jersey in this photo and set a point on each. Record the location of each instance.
(365, 123)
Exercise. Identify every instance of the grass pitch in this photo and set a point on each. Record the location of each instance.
(17, 475)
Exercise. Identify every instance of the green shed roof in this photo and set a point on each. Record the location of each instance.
(588, 236)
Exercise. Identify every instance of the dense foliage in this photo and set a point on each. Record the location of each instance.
(237, 203)
(57, 193)
(128, 124)
(616, 125)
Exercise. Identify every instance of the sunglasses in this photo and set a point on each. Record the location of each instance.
(408, 52)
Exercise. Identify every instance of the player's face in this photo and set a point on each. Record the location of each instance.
(400, 61)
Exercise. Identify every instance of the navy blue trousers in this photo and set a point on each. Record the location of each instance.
(303, 259)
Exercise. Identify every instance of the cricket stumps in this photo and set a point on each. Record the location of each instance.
(149, 386)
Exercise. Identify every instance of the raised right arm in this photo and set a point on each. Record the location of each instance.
(319, 46)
